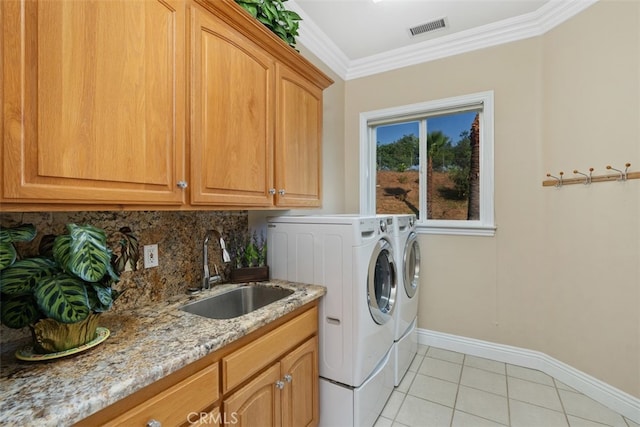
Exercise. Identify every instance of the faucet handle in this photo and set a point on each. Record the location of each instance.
(216, 278)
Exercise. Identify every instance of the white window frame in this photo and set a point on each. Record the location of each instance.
(485, 226)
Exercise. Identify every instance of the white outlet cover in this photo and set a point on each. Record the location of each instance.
(150, 256)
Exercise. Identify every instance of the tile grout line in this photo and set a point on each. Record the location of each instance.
(410, 384)
(564, 411)
(506, 380)
(539, 405)
(415, 376)
(455, 401)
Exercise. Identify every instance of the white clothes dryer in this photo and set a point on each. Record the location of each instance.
(352, 257)
(407, 253)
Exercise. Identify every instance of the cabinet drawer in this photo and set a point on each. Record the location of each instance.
(245, 362)
(173, 406)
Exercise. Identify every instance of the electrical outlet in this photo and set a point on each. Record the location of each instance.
(150, 256)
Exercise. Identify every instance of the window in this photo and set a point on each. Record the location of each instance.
(434, 159)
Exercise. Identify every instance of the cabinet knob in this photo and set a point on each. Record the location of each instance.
(154, 423)
(281, 192)
(182, 184)
(279, 384)
(288, 378)
(272, 191)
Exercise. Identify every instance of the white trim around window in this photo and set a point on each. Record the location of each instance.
(483, 227)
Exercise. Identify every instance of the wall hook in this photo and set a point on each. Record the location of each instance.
(623, 174)
(559, 183)
(587, 180)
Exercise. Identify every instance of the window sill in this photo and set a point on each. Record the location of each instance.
(458, 230)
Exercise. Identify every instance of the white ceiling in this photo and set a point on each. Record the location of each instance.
(362, 28)
(362, 37)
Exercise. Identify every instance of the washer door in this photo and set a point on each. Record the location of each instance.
(411, 263)
(382, 283)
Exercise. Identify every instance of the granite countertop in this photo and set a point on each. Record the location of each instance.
(145, 345)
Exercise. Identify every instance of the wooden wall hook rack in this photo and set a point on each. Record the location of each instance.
(621, 175)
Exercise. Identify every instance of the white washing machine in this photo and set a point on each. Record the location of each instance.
(352, 257)
(407, 253)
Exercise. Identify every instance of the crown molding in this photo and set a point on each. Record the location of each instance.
(314, 39)
(533, 24)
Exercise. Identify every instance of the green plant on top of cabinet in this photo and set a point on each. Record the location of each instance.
(275, 16)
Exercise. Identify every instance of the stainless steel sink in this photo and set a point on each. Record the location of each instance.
(236, 302)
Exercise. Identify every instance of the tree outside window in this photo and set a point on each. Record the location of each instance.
(434, 160)
(452, 175)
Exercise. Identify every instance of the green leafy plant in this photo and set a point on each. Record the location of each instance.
(70, 278)
(249, 250)
(275, 16)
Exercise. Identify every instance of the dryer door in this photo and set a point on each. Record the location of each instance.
(411, 264)
(382, 283)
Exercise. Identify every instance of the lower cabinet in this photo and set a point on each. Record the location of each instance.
(257, 403)
(267, 378)
(300, 394)
(176, 404)
(286, 394)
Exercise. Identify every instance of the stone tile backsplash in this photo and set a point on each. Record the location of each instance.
(179, 235)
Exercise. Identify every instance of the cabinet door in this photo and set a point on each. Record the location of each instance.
(257, 403)
(300, 394)
(93, 106)
(232, 116)
(298, 161)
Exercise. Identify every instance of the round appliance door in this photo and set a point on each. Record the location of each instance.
(411, 262)
(382, 283)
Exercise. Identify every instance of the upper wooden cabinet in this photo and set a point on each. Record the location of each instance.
(93, 105)
(256, 127)
(174, 104)
(298, 156)
(232, 86)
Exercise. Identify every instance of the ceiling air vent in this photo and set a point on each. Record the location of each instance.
(429, 26)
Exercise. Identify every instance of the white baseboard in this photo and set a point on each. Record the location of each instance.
(611, 397)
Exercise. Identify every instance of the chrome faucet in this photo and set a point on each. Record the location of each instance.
(207, 278)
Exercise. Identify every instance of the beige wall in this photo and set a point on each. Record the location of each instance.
(591, 116)
(562, 274)
(333, 166)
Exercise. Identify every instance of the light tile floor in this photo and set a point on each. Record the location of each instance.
(448, 389)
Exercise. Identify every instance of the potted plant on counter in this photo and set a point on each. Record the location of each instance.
(250, 259)
(61, 292)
